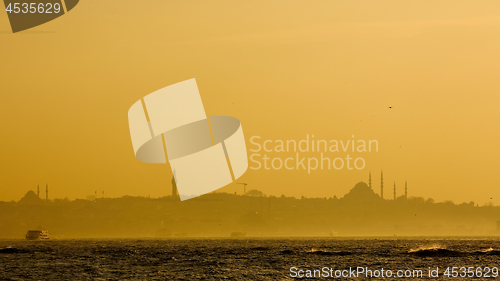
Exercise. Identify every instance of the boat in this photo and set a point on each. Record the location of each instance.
(238, 234)
(37, 235)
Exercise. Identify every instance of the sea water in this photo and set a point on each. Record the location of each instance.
(242, 259)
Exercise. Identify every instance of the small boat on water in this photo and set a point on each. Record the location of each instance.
(37, 235)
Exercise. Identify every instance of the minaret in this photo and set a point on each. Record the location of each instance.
(406, 189)
(370, 180)
(382, 184)
(175, 192)
(394, 190)
(47, 192)
(38, 191)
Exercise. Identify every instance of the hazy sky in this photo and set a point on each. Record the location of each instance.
(284, 68)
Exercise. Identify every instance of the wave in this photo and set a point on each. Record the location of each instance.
(489, 251)
(434, 250)
(327, 253)
(10, 250)
(440, 251)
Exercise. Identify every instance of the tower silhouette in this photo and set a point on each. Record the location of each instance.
(370, 180)
(38, 191)
(382, 184)
(46, 192)
(175, 192)
(406, 189)
(394, 190)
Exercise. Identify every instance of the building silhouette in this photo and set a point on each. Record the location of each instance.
(361, 193)
(406, 190)
(382, 184)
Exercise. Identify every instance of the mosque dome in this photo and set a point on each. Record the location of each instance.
(361, 192)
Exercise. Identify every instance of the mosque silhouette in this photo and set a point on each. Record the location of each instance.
(364, 192)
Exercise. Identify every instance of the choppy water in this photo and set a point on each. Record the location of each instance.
(234, 259)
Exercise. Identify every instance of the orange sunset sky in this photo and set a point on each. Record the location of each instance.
(285, 69)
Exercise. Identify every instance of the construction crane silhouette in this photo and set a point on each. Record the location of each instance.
(244, 187)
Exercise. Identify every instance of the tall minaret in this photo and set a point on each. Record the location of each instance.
(47, 192)
(174, 188)
(39, 191)
(370, 180)
(394, 190)
(382, 184)
(175, 191)
(406, 189)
